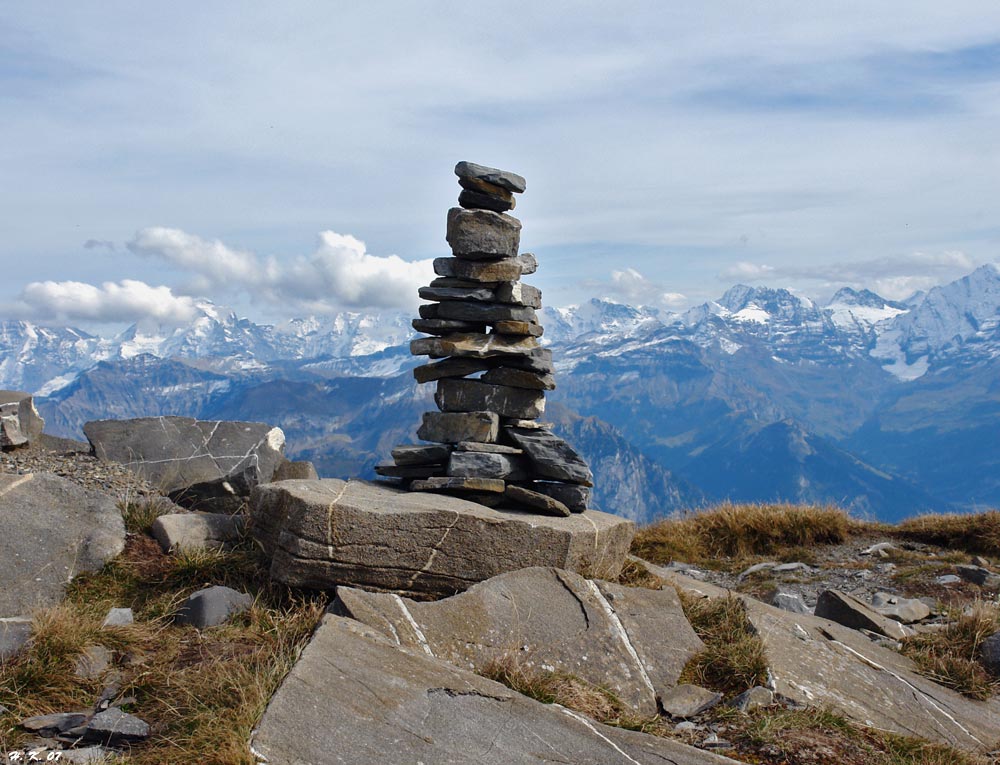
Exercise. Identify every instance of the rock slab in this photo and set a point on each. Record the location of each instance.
(20, 422)
(196, 531)
(53, 529)
(208, 464)
(355, 697)
(212, 606)
(325, 533)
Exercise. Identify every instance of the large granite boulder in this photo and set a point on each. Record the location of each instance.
(20, 422)
(325, 533)
(207, 464)
(634, 642)
(820, 663)
(355, 697)
(53, 529)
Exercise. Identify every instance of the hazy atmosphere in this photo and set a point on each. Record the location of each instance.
(297, 159)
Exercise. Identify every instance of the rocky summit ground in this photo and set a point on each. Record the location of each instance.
(749, 634)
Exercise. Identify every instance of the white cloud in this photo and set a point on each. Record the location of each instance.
(747, 271)
(127, 300)
(632, 287)
(340, 274)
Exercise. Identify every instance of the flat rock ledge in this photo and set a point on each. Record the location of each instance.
(325, 533)
(355, 697)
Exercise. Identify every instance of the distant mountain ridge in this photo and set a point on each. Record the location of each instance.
(679, 396)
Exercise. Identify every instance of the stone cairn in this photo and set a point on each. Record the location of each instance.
(487, 444)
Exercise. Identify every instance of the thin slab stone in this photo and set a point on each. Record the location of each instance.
(453, 367)
(574, 496)
(435, 454)
(446, 326)
(538, 360)
(551, 456)
(452, 427)
(502, 178)
(477, 184)
(476, 396)
(487, 465)
(448, 483)
(541, 503)
(471, 345)
(472, 446)
(522, 328)
(486, 313)
(520, 378)
(458, 293)
(507, 270)
(448, 281)
(476, 200)
(519, 293)
(409, 471)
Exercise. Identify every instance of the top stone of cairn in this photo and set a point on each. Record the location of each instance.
(470, 171)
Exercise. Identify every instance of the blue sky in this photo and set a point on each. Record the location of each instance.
(154, 155)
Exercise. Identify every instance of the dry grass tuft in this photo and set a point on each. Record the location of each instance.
(950, 656)
(140, 510)
(634, 574)
(740, 531)
(734, 658)
(972, 532)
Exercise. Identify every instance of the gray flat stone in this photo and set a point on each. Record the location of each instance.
(452, 427)
(20, 422)
(473, 446)
(114, 728)
(53, 530)
(325, 533)
(851, 612)
(519, 293)
(476, 396)
(551, 456)
(487, 313)
(196, 531)
(443, 327)
(454, 367)
(491, 175)
(480, 293)
(471, 345)
(574, 496)
(631, 641)
(435, 454)
(753, 698)
(688, 700)
(791, 602)
(488, 465)
(118, 617)
(209, 464)
(536, 501)
(213, 606)
(295, 470)
(54, 724)
(15, 633)
(459, 484)
(355, 697)
(904, 610)
(520, 378)
(409, 471)
(507, 270)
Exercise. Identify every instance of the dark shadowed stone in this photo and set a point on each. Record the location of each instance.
(574, 496)
(520, 378)
(978, 575)
(688, 700)
(210, 464)
(196, 531)
(989, 653)
(487, 313)
(632, 642)
(483, 187)
(20, 422)
(295, 470)
(475, 396)
(552, 457)
(458, 367)
(482, 234)
(851, 612)
(446, 326)
(329, 532)
(528, 328)
(820, 663)
(539, 503)
(447, 281)
(213, 605)
(473, 345)
(508, 270)
(15, 633)
(476, 200)
(409, 471)
(452, 427)
(528, 263)
(53, 529)
(459, 485)
(355, 697)
(421, 455)
(502, 178)
(487, 465)
(457, 293)
(538, 360)
(519, 293)
(114, 727)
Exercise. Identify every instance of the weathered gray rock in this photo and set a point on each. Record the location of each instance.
(520, 378)
(551, 456)
(851, 612)
(488, 313)
(472, 446)
(458, 367)
(118, 617)
(880, 550)
(114, 728)
(295, 470)
(355, 697)
(631, 641)
(209, 464)
(521, 328)
(459, 484)
(477, 200)
(537, 360)
(471, 345)
(819, 663)
(435, 454)
(791, 602)
(506, 270)
(473, 292)
(452, 427)
(15, 632)
(482, 234)
(989, 653)
(528, 263)
(212, 606)
(574, 496)
(948, 579)
(93, 661)
(978, 575)
(196, 531)
(688, 700)
(443, 327)
(488, 465)
(20, 422)
(491, 175)
(477, 396)
(329, 532)
(53, 529)
(904, 610)
(409, 471)
(753, 698)
(519, 293)
(54, 724)
(540, 503)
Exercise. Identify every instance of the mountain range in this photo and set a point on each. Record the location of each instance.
(887, 408)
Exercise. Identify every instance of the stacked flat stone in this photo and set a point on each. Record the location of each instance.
(487, 443)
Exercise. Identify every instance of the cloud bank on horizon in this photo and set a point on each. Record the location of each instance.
(669, 150)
